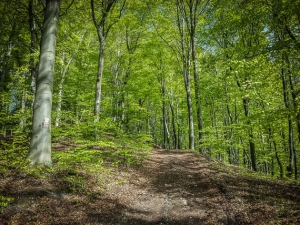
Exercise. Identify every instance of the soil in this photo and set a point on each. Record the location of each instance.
(171, 187)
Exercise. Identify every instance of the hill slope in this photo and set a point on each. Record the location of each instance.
(172, 187)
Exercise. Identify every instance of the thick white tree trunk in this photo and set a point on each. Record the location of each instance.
(40, 145)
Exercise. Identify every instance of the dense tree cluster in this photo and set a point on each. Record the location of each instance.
(221, 77)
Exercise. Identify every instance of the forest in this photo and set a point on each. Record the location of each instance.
(149, 112)
(217, 77)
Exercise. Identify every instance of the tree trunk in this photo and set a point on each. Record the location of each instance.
(295, 107)
(251, 143)
(290, 168)
(102, 30)
(278, 159)
(189, 12)
(179, 130)
(64, 72)
(98, 88)
(246, 101)
(196, 82)
(186, 52)
(4, 59)
(166, 143)
(33, 43)
(40, 145)
(252, 151)
(175, 145)
(23, 107)
(60, 91)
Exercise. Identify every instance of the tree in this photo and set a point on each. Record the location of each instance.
(190, 11)
(103, 27)
(180, 45)
(231, 68)
(40, 145)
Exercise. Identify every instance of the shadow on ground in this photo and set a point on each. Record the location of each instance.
(172, 187)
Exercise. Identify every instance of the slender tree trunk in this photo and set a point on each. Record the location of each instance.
(290, 168)
(251, 142)
(124, 117)
(252, 151)
(131, 46)
(246, 158)
(190, 108)
(63, 77)
(60, 90)
(179, 130)
(246, 101)
(4, 78)
(4, 60)
(229, 120)
(116, 102)
(187, 81)
(186, 68)
(33, 43)
(295, 103)
(197, 87)
(278, 159)
(98, 88)
(175, 144)
(139, 123)
(165, 115)
(23, 106)
(106, 6)
(40, 145)
(295, 107)
(189, 11)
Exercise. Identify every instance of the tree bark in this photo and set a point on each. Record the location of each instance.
(33, 43)
(295, 107)
(175, 142)
(40, 145)
(190, 10)
(193, 8)
(185, 56)
(251, 142)
(165, 115)
(98, 88)
(102, 30)
(64, 72)
(246, 101)
(286, 99)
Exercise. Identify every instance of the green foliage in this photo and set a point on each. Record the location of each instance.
(132, 150)
(4, 201)
(13, 150)
(242, 49)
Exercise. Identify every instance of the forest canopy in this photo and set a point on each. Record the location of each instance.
(219, 77)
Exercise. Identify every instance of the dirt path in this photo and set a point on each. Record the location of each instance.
(172, 187)
(177, 187)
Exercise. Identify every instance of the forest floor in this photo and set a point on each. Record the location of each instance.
(171, 187)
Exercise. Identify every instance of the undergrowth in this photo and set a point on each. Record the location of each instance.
(80, 165)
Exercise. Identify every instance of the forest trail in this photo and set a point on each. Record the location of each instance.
(172, 187)
(177, 187)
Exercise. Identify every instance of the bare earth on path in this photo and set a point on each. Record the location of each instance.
(172, 187)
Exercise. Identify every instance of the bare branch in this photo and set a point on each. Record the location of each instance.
(66, 10)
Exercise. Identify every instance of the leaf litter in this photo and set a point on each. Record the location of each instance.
(170, 187)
